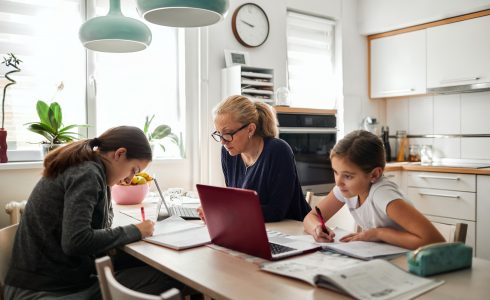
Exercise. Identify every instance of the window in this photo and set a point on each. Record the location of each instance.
(131, 86)
(121, 88)
(310, 54)
(32, 30)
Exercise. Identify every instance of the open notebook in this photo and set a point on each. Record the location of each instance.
(358, 249)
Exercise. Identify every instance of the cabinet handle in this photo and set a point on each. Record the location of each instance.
(459, 79)
(439, 195)
(398, 91)
(438, 177)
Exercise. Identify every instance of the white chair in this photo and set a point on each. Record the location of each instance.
(342, 218)
(111, 289)
(7, 236)
(452, 232)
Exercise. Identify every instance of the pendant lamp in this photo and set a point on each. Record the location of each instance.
(115, 32)
(183, 13)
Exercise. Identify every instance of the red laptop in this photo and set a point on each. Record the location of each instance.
(235, 221)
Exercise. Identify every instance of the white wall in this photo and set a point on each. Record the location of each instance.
(377, 16)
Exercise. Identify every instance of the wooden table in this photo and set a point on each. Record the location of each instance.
(219, 275)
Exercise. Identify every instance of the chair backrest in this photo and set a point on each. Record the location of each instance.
(15, 209)
(452, 232)
(111, 289)
(7, 236)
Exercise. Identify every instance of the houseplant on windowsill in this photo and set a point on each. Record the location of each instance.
(159, 134)
(14, 62)
(51, 127)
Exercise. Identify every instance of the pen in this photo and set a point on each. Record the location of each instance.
(321, 219)
(142, 213)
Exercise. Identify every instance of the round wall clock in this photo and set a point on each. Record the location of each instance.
(250, 25)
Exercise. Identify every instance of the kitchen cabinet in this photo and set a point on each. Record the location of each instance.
(398, 65)
(396, 177)
(446, 198)
(459, 53)
(483, 216)
(254, 83)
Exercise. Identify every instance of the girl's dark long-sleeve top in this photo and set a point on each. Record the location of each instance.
(273, 176)
(66, 224)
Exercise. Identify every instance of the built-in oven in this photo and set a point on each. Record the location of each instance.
(311, 135)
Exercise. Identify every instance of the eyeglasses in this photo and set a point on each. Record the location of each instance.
(227, 137)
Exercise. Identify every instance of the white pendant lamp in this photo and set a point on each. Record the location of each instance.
(115, 32)
(183, 13)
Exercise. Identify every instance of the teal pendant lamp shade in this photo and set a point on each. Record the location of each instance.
(115, 32)
(183, 13)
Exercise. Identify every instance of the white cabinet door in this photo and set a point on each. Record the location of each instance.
(398, 65)
(459, 53)
(483, 217)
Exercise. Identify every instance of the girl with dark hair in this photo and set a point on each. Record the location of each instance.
(67, 221)
(376, 204)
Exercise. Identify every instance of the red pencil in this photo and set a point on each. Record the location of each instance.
(142, 213)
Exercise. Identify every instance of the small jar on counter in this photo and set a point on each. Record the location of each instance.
(414, 153)
(401, 145)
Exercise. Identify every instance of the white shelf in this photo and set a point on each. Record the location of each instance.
(252, 82)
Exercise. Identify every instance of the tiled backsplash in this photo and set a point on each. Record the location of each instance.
(452, 116)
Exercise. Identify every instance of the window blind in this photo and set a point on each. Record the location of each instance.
(44, 36)
(310, 59)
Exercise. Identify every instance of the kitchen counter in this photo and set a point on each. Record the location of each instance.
(409, 166)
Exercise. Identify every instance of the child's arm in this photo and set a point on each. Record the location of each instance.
(419, 231)
(328, 206)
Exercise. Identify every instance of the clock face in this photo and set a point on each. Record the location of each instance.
(250, 25)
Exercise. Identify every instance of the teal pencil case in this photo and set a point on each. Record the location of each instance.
(439, 257)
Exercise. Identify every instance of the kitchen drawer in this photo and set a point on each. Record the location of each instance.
(450, 204)
(443, 181)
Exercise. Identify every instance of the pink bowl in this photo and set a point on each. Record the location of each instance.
(129, 194)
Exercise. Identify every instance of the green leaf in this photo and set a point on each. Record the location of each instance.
(42, 111)
(147, 124)
(55, 116)
(160, 132)
(173, 138)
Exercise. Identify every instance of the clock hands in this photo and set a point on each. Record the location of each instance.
(251, 25)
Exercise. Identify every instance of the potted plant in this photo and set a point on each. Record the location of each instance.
(51, 127)
(14, 62)
(159, 134)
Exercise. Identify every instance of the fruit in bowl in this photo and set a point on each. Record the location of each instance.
(133, 193)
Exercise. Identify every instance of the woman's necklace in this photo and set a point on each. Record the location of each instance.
(255, 156)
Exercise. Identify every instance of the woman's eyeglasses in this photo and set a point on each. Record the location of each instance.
(227, 137)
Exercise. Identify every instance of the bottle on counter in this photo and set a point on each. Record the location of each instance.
(401, 145)
(385, 136)
(414, 153)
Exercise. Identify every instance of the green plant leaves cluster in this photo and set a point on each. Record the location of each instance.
(50, 124)
(159, 133)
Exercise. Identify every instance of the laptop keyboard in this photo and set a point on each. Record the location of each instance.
(278, 249)
(186, 212)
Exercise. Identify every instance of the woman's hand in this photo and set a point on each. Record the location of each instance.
(200, 212)
(146, 228)
(323, 237)
(370, 235)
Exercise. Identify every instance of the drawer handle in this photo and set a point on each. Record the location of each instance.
(438, 177)
(440, 195)
(398, 91)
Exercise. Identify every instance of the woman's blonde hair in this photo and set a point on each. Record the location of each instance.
(246, 111)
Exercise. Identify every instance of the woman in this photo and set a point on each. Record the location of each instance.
(253, 158)
(376, 204)
(67, 221)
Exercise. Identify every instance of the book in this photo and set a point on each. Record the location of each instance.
(177, 233)
(358, 249)
(375, 279)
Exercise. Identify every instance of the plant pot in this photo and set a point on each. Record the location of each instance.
(50, 147)
(3, 146)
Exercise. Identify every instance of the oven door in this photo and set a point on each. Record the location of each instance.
(311, 147)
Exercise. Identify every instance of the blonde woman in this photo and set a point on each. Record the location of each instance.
(253, 158)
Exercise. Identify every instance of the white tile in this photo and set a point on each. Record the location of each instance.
(475, 148)
(475, 113)
(447, 147)
(420, 115)
(447, 117)
(397, 114)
